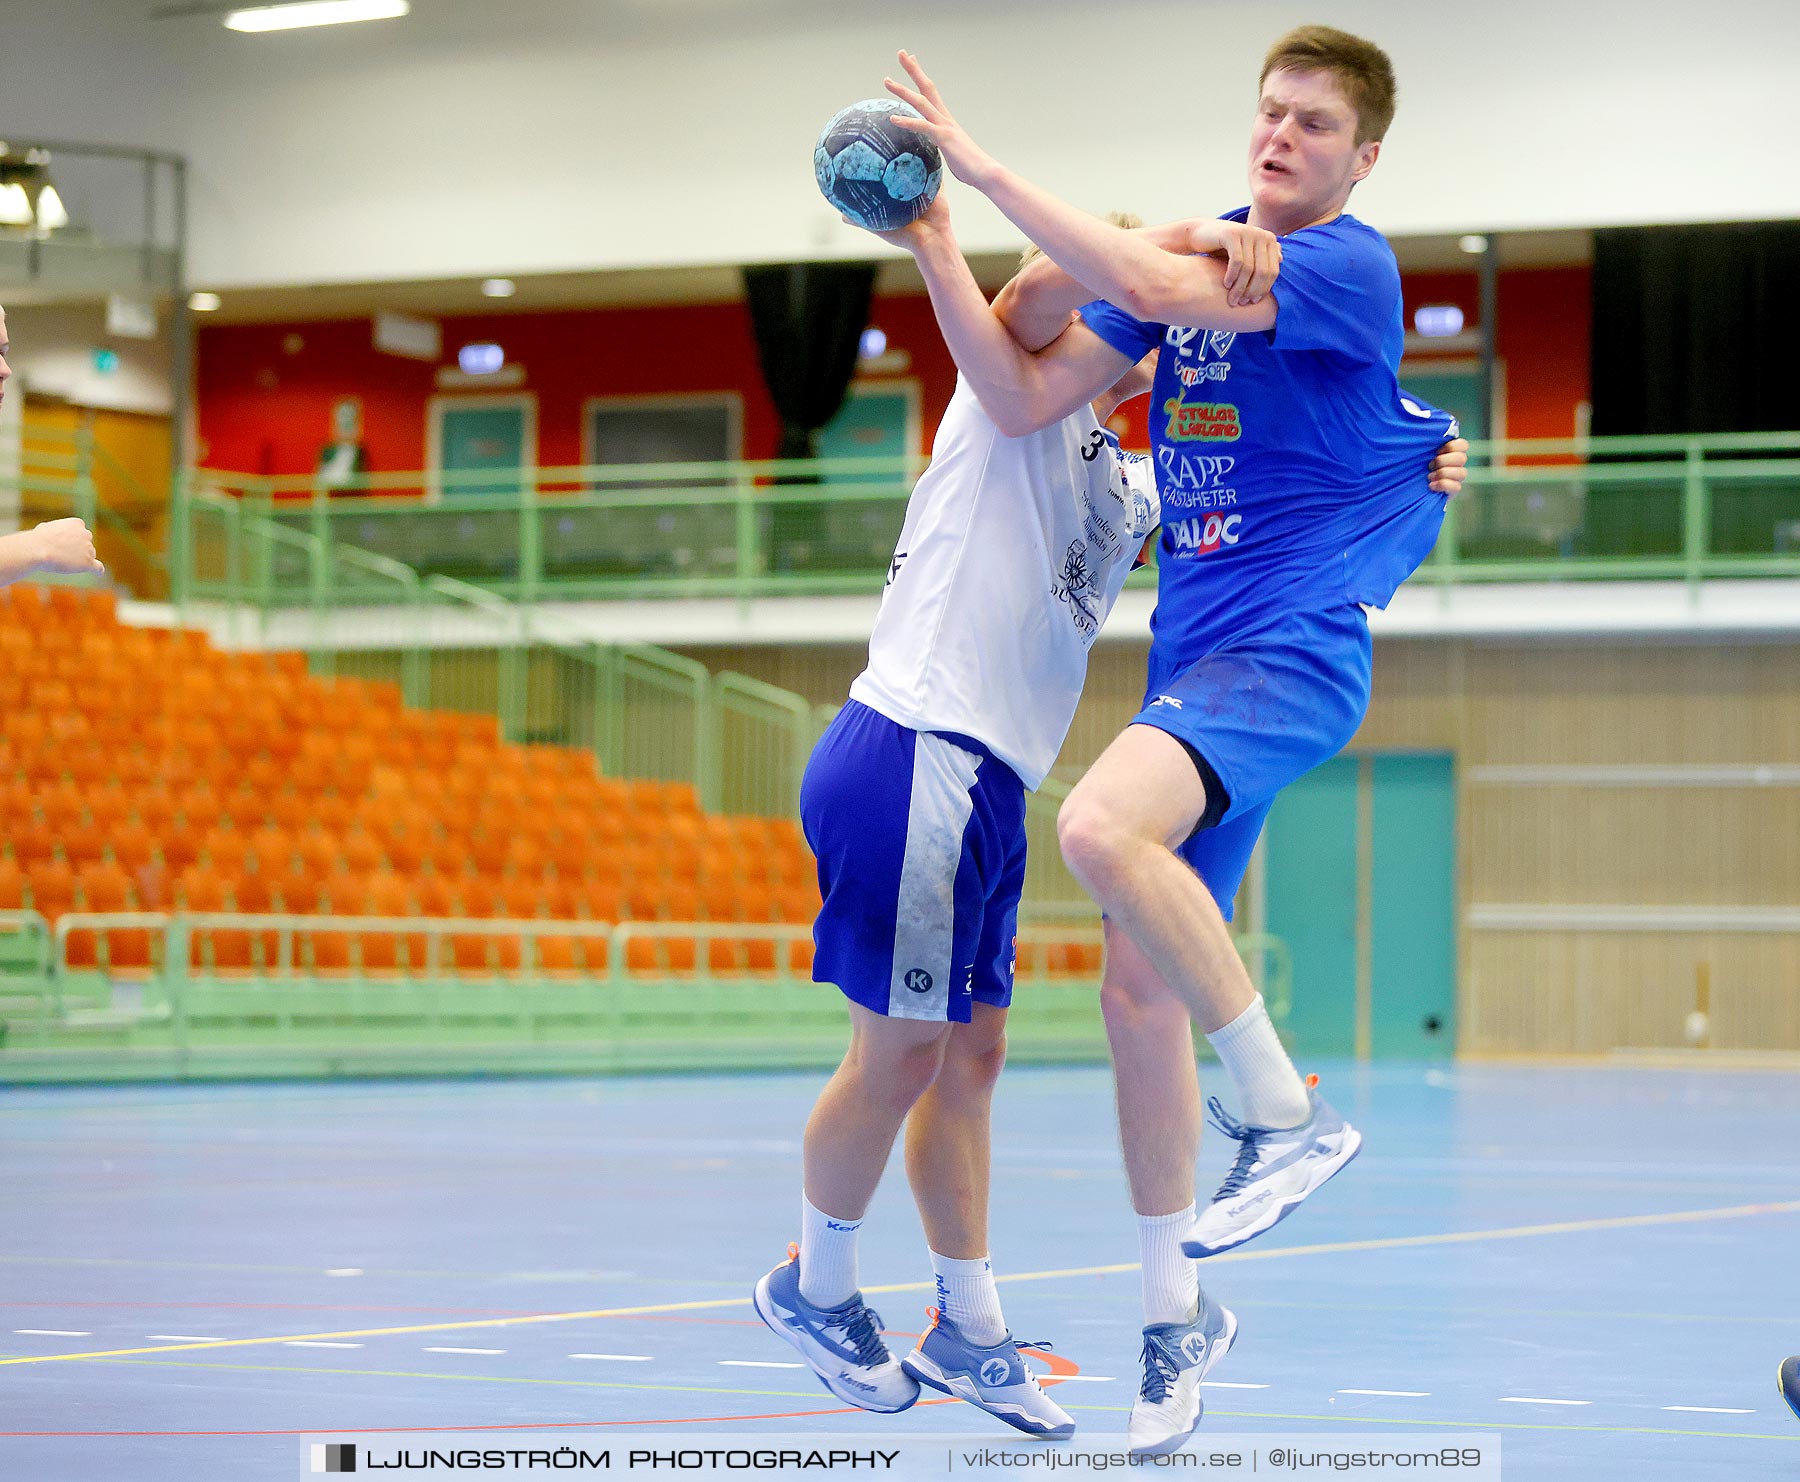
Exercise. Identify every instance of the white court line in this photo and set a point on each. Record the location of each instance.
(1456, 1237)
(1083, 1378)
(1226, 1384)
(314, 1343)
(52, 1333)
(1709, 1410)
(617, 1358)
(1538, 1400)
(1396, 1394)
(176, 1338)
(756, 1364)
(465, 1350)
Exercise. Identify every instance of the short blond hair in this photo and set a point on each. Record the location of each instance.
(1361, 68)
(1122, 219)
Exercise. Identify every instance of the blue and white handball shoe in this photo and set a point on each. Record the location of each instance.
(842, 1345)
(1176, 1358)
(1788, 1378)
(1276, 1169)
(995, 1379)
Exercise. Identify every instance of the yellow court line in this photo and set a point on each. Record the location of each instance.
(697, 1389)
(1398, 1242)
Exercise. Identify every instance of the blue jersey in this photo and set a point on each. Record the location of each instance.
(1292, 467)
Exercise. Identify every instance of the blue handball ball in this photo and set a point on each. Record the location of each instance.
(878, 174)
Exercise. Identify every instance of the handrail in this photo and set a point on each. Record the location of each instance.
(586, 476)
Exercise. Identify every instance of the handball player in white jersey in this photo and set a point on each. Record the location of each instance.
(1013, 551)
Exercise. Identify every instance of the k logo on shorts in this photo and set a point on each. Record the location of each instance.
(917, 980)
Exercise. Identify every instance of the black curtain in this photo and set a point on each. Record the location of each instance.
(1695, 329)
(808, 319)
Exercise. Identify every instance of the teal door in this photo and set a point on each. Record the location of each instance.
(1360, 872)
(482, 437)
(856, 530)
(1310, 881)
(1456, 390)
(872, 423)
(1412, 907)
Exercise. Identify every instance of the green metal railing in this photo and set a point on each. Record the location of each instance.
(1652, 507)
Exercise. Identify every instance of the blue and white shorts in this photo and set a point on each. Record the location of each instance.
(920, 838)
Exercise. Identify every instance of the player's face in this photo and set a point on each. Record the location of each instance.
(5, 369)
(1303, 151)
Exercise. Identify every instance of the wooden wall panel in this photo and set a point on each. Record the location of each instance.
(1565, 703)
(1568, 992)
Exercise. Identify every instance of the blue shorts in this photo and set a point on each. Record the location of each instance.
(920, 838)
(1263, 707)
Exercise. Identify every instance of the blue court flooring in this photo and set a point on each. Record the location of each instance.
(1595, 1264)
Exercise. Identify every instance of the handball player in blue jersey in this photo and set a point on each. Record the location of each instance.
(1292, 473)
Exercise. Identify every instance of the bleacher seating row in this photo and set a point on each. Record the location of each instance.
(144, 770)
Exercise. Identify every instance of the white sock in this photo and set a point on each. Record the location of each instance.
(1171, 1280)
(827, 1256)
(968, 1297)
(1270, 1091)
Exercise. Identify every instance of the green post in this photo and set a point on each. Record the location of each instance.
(1443, 554)
(264, 547)
(749, 557)
(175, 982)
(709, 722)
(531, 542)
(608, 749)
(415, 662)
(515, 676)
(1696, 517)
(180, 540)
(321, 529)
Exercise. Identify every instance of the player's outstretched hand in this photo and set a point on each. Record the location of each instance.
(1252, 257)
(931, 224)
(1450, 468)
(65, 546)
(968, 162)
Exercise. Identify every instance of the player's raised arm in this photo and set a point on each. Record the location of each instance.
(1040, 300)
(1020, 390)
(1127, 271)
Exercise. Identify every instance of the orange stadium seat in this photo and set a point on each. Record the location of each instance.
(52, 887)
(12, 884)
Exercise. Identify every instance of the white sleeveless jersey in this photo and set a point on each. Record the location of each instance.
(1012, 553)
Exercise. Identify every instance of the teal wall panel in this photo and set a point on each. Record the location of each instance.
(1413, 906)
(1310, 838)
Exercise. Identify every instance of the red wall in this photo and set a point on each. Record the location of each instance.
(265, 410)
(1543, 338)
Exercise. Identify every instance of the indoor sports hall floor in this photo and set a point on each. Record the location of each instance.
(1596, 1265)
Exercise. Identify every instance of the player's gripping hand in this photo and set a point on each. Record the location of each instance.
(1252, 257)
(967, 160)
(931, 225)
(65, 546)
(1450, 468)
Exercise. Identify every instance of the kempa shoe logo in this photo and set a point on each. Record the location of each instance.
(333, 1458)
(994, 1372)
(1193, 1347)
(917, 980)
